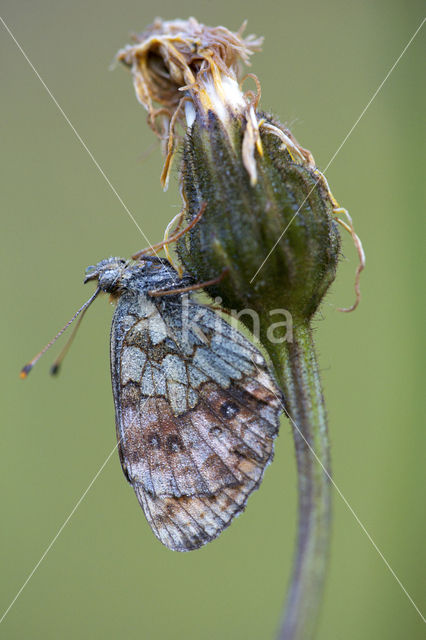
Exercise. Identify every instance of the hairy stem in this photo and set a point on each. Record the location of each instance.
(297, 371)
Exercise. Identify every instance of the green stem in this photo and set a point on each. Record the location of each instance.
(297, 371)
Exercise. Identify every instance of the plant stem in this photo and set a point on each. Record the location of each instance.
(297, 371)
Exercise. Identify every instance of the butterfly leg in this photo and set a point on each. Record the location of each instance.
(192, 287)
(173, 238)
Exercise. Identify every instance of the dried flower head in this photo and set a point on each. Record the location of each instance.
(190, 69)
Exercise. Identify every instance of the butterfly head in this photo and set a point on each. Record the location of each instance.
(108, 273)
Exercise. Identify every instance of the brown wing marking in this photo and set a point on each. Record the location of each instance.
(166, 454)
(187, 522)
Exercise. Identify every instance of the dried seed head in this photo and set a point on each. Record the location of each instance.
(190, 70)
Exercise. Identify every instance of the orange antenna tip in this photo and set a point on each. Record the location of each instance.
(25, 371)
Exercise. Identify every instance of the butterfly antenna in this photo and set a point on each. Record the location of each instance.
(25, 370)
(54, 369)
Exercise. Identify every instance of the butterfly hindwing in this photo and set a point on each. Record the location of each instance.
(197, 411)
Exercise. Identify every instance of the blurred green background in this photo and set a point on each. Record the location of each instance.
(106, 575)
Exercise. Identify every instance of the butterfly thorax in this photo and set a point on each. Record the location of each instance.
(117, 276)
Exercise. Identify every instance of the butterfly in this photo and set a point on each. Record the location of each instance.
(196, 407)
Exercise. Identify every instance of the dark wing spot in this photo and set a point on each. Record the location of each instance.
(174, 443)
(170, 509)
(229, 410)
(154, 439)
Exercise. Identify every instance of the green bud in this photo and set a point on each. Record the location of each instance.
(284, 220)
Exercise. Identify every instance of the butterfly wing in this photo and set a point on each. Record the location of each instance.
(197, 411)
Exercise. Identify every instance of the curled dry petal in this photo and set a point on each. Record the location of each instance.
(182, 63)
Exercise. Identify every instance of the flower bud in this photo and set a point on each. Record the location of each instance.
(277, 237)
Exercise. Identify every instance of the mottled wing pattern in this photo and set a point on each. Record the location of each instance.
(196, 416)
